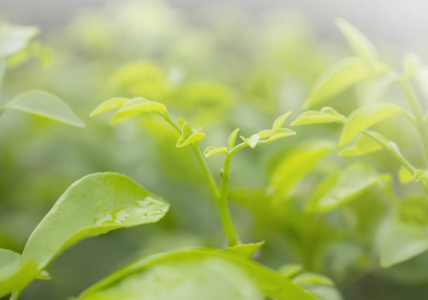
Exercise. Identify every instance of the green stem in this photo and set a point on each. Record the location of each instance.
(219, 197)
(417, 111)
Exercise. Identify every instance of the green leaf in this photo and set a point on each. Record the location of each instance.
(247, 250)
(188, 137)
(295, 166)
(279, 122)
(109, 105)
(138, 106)
(33, 49)
(364, 145)
(232, 138)
(367, 116)
(13, 274)
(358, 41)
(379, 87)
(46, 105)
(196, 274)
(91, 206)
(312, 278)
(404, 175)
(340, 77)
(341, 189)
(210, 151)
(15, 38)
(290, 270)
(402, 243)
(326, 115)
(414, 211)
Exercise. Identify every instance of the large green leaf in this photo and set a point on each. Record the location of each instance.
(46, 105)
(13, 274)
(367, 116)
(15, 38)
(401, 243)
(94, 205)
(340, 77)
(196, 274)
(342, 188)
(358, 41)
(295, 166)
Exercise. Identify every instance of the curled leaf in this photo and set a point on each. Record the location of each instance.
(188, 137)
(138, 106)
(210, 151)
(232, 138)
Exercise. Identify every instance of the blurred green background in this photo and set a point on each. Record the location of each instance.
(220, 67)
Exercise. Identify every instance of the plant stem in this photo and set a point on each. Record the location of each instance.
(219, 197)
(417, 111)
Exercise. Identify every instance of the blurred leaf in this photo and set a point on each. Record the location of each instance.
(13, 274)
(248, 250)
(188, 137)
(414, 210)
(14, 38)
(358, 41)
(279, 122)
(404, 175)
(232, 138)
(343, 188)
(367, 116)
(340, 77)
(296, 165)
(312, 278)
(137, 106)
(364, 145)
(91, 206)
(291, 270)
(33, 49)
(46, 105)
(326, 115)
(210, 151)
(109, 105)
(196, 274)
(402, 243)
(379, 86)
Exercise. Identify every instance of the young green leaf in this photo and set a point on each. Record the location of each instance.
(401, 243)
(364, 145)
(279, 134)
(312, 278)
(109, 105)
(326, 115)
(91, 206)
(188, 137)
(295, 166)
(367, 116)
(279, 122)
(14, 275)
(232, 138)
(210, 151)
(404, 175)
(46, 105)
(248, 250)
(138, 106)
(15, 38)
(340, 77)
(196, 274)
(290, 270)
(341, 189)
(358, 41)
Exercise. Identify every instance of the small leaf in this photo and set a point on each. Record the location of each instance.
(46, 105)
(279, 122)
(210, 151)
(247, 250)
(312, 278)
(402, 243)
(358, 41)
(327, 115)
(232, 138)
(91, 206)
(138, 106)
(404, 175)
(341, 189)
(188, 137)
(194, 274)
(279, 134)
(340, 77)
(109, 105)
(367, 116)
(364, 145)
(252, 140)
(15, 38)
(290, 270)
(14, 275)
